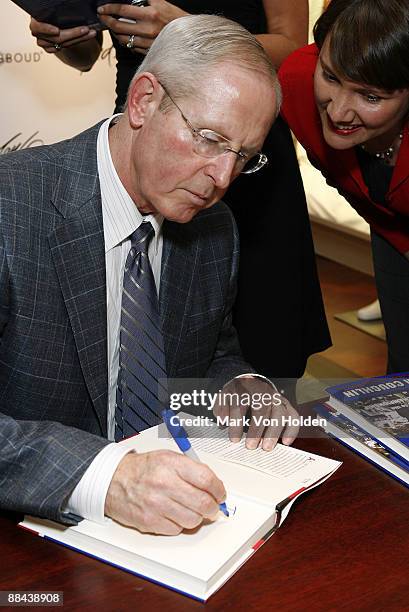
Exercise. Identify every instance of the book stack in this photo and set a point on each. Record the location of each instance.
(371, 417)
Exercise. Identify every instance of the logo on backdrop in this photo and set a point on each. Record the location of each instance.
(32, 57)
(108, 54)
(20, 141)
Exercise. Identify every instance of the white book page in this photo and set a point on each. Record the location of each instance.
(282, 463)
(267, 477)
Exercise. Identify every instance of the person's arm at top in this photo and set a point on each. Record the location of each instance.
(287, 28)
(287, 24)
(78, 47)
(145, 23)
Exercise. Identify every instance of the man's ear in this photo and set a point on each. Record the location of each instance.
(143, 98)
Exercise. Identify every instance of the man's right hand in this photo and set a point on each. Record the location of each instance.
(163, 492)
(52, 39)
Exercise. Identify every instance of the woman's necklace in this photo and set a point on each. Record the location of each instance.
(387, 154)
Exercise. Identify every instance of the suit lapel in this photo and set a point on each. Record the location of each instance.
(77, 248)
(351, 165)
(179, 260)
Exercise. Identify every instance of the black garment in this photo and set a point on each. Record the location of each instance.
(278, 312)
(249, 13)
(391, 269)
(392, 284)
(376, 174)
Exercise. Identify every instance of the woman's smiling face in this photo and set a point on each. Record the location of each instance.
(354, 113)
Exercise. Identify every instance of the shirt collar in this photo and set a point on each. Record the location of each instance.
(121, 216)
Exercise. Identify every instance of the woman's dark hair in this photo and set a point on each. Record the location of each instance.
(369, 41)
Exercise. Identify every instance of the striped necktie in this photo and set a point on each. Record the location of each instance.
(141, 352)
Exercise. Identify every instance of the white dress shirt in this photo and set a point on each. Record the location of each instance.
(121, 218)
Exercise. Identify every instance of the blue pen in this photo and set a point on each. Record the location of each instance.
(179, 434)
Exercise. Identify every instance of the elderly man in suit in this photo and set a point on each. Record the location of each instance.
(198, 111)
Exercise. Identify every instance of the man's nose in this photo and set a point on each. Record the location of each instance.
(340, 108)
(222, 169)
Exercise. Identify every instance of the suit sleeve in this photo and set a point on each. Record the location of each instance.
(228, 361)
(4, 288)
(40, 462)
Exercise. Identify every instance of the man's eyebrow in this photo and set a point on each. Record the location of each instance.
(212, 127)
(206, 126)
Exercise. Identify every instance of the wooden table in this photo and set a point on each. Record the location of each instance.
(344, 546)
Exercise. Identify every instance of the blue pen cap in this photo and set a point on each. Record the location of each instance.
(176, 430)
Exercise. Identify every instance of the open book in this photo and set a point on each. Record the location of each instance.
(260, 486)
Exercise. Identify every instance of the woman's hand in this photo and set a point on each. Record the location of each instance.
(78, 47)
(145, 22)
(52, 39)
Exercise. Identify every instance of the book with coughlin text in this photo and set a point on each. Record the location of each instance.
(380, 406)
(261, 488)
(359, 441)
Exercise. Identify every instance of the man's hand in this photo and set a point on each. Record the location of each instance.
(163, 492)
(146, 21)
(52, 39)
(267, 412)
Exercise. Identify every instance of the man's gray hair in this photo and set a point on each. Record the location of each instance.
(189, 47)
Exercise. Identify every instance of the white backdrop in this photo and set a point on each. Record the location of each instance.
(42, 99)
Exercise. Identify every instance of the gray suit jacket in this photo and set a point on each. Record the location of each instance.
(53, 336)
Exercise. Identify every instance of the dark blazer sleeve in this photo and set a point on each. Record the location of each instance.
(40, 464)
(228, 361)
(198, 288)
(41, 460)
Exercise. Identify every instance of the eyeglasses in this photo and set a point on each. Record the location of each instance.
(211, 144)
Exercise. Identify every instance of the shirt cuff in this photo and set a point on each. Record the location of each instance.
(254, 375)
(88, 498)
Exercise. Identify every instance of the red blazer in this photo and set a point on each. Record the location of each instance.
(341, 168)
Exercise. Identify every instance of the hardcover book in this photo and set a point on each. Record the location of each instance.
(359, 441)
(261, 488)
(380, 406)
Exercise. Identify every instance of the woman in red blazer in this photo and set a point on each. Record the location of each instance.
(346, 98)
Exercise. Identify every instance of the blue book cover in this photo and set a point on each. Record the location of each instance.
(348, 429)
(380, 406)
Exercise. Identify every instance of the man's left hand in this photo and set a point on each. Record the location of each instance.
(269, 413)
